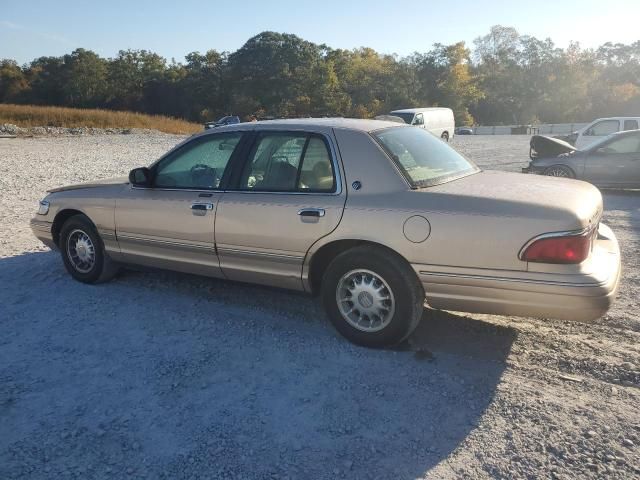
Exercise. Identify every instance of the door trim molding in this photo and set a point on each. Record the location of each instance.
(150, 241)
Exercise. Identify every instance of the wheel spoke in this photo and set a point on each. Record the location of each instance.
(365, 300)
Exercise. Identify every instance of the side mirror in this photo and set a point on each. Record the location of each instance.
(140, 177)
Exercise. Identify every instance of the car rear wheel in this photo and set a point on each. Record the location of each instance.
(373, 298)
(445, 136)
(559, 171)
(83, 252)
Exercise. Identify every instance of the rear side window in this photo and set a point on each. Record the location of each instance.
(289, 162)
(630, 125)
(423, 158)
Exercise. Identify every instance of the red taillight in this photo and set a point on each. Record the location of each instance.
(567, 249)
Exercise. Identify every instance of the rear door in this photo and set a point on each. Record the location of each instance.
(171, 223)
(286, 194)
(616, 162)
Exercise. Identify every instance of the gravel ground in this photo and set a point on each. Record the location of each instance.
(160, 375)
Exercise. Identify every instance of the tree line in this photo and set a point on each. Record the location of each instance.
(505, 78)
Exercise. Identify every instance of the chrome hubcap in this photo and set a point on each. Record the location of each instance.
(81, 251)
(365, 300)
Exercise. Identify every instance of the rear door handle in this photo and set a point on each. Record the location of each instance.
(201, 208)
(311, 212)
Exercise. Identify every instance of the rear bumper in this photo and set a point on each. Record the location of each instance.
(579, 297)
(42, 231)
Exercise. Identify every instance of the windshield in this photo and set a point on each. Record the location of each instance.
(424, 159)
(407, 117)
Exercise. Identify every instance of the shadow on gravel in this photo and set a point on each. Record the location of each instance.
(175, 376)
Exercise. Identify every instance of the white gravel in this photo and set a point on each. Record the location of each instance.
(175, 376)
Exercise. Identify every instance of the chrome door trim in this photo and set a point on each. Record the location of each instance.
(554, 283)
(133, 187)
(254, 253)
(157, 242)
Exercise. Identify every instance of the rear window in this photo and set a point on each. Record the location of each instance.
(424, 159)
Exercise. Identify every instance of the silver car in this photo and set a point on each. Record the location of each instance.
(613, 162)
(375, 217)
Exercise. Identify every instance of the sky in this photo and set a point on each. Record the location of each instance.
(35, 28)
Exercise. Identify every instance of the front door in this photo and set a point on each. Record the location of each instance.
(616, 162)
(286, 196)
(171, 224)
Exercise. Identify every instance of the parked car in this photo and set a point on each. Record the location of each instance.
(600, 128)
(464, 131)
(438, 121)
(374, 216)
(228, 120)
(612, 162)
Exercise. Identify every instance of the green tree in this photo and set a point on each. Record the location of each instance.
(13, 82)
(85, 78)
(446, 80)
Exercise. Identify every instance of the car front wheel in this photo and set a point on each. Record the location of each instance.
(83, 252)
(559, 171)
(372, 297)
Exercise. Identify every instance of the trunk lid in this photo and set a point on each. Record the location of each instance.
(561, 204)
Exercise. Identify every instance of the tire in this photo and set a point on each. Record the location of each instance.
(83, 252)
(559, 171)
(445, 136)
(384, 275)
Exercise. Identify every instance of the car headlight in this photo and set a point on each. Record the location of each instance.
(43, 209)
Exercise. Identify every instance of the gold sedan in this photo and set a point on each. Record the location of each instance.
(376, 217)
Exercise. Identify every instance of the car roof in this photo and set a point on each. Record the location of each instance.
(363, 125)
(615, 118)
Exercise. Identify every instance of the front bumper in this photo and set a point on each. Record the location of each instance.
(43, 232)
(580, 297)
(532, 169)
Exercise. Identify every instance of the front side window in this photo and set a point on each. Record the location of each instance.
(289, 162)
(419, 119)
(199, 164)
(626, 144)
(606, 127)
(424, 159)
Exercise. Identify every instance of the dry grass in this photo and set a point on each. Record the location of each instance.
(37, 116)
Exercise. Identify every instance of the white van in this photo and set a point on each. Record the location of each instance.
(438, 121)
(601, 128)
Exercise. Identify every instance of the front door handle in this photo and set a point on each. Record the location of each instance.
(201, 208)
(311, 212)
